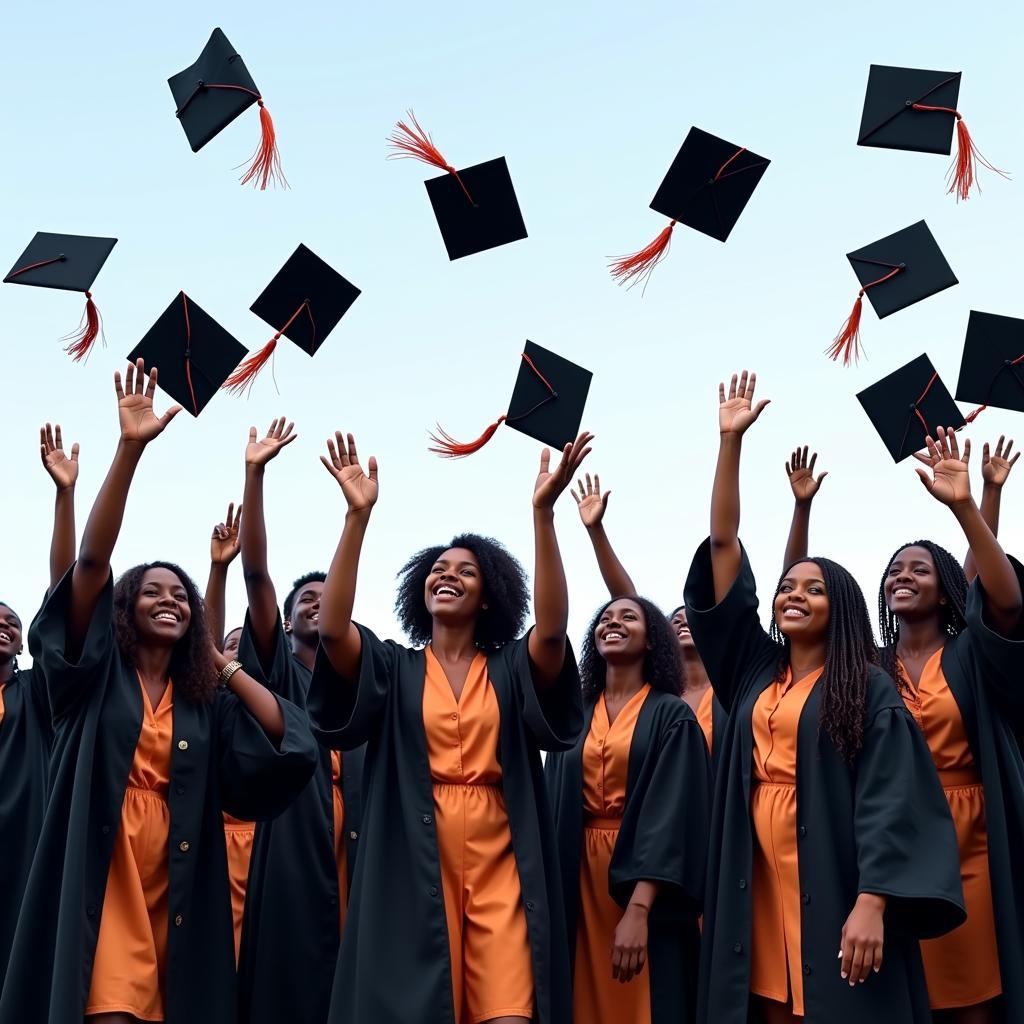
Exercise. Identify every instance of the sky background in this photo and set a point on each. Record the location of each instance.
(589, 103)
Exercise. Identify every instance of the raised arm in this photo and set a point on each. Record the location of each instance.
(139, 426)
(994, 471)
(64, 473)
(805, 487)
(736, 413)
(338, 635)
(950, 483)
(224, 546)
(593, 505)
(550, 592)
(259, 587)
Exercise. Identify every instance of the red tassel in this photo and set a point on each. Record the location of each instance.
(448, 448)
(975, 413)
(639, 265)
(963, 172)
(416, 144)
(88, 331)
(245, 374)
(265, 163)
(847, 342)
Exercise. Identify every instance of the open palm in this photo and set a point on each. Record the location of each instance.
(279, 435)
(63, 470)
(551, 482)
(995, 467)
(801, 475)
(139, 423)
(736, 411)
(950, 481)
(224, 544)
(590, 501)
(360, 489)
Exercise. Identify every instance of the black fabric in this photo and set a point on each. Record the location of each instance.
(663, 838)
(220, 760)
(992, 368)
(882, 826)
(290, 932)
(394, 960)
(78, 259)
(889, 119)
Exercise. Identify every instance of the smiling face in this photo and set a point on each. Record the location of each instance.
(620, 635)
(305, 613)
(162, 613)
(801, 605)
(454, 588)
(231, 642)
(912, 587)
(682, 630)
(10, 634)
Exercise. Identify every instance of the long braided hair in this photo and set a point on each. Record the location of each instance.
(952, 614)
(849, 652)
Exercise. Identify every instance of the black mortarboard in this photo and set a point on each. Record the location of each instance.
(992, 369)
(908, 406)
(706, 188)
(894, 272)
(911, 109)
(476, 207)
(304, 302)
(211, 93)
(71, 263)
(547, 404)
(193, 353)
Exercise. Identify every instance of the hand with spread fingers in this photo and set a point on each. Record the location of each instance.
(550, 483)
(801, 475)
(950, 482)
(139, 424)
(995, 467)
(736, 412)
(360, 489)
(63, 470)
(224, 544)
(590, 501)
(279, 435)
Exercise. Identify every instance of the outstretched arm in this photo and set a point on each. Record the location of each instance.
(994, 471)
(64, 473)
(338, 635)
(593, 505)
(224, 546)
(805, 487)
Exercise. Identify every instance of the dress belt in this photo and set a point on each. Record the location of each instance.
(951, 778)
(610, 824)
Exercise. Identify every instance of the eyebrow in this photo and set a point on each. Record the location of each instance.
(458, 565)
(812, 579)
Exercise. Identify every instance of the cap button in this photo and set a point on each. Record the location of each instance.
(188, 353)
(909, 103)
(200, 84)
(912, 406)
(903, 266)
(1007, 362)
(62, 258)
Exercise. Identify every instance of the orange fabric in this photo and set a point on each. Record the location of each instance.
(238, 837)
(131, 951)
(340, 856)
(492, 972)
(596, 996)
(776, 961)
(961, 967)
(706, 717)
(2, 686)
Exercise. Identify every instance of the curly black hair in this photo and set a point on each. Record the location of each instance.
(663, 665)
(952, 614)
(192, 666)
(505, 591)
(297, 585)
(849, 651)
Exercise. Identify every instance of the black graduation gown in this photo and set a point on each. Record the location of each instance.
(882, 826)
(290, 929)
(663, 838)
(394, 966)
(220, 760)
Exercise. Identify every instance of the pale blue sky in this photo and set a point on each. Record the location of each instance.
(589, 103)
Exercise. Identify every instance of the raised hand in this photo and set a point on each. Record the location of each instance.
(950, 482)
(259, 453)
(360, 489)
(590, 501)
(550, 483)
(994, 468)
(63, 470)
(139, 424)
(801, 475)
(224, 545)
(737, 411)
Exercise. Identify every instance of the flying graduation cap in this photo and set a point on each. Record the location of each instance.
(70, 263)
(547, 404)
(211, 93)
(911, 109)
(992, 368)
(476, 207)
(706, 188)
(894, 272)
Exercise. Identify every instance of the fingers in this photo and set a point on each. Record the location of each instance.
(789, 472)
(616, 962)
(967, 450)
(372, 467)
(856, 965)
(761, 406)
(743, 388)
(822, 475)
(845, 957)
(999, 447)
(1013, 461)
(810, 465)
(922, 458)
(339, 440)
(925, 479)
(721, 393)
(545, 461)
(151, 384)
(985, 454)
(352, 454)
(169, 415)
(732, 387)
(74, 452)
(117, 385)
(58, 440)
(230, 516)
(140, 376)
(933, 449)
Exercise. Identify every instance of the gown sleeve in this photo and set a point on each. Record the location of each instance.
(553, 713)
(259, 779)
(345, 712)
(906, 843)
(1000, 658)
(729, 637)
(279, 676)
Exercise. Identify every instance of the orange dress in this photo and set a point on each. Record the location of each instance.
(491, 967)
(961, 967)
(340, 856)
(2, 685)
(775, 957)
(238, 837)
(706, 716)
(597, 997)
(131, 950)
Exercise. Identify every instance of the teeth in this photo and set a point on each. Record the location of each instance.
(902, 592)
(5, 638)
(794, 613)
(613, 636)
(166, 617)
(446, 590)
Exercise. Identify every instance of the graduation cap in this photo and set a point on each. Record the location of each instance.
(911, 109)
(894, 272)
(706, 188)
(211, 93)
(193, 353)
(476, 207)
(908, 406)
(304, 302)
(71, 263)
(992, 369)
(547, 404)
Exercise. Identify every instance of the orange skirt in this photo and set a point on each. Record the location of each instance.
(340, 856)
(131, 951)
(238, 837)
(597, 997)
(962, 967)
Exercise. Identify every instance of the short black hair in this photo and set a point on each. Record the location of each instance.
(297, 585)
(505, 590)
(663, 665)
